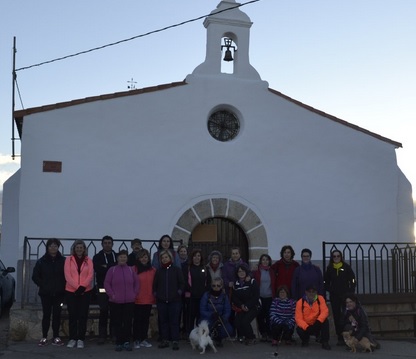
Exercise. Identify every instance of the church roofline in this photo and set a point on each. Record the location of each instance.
(20, 114)
(336, 119)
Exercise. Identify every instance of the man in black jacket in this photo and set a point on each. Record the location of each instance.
(103, 260)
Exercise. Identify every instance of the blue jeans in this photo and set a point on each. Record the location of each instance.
(169, 319)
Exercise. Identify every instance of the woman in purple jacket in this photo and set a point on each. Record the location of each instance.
(121, 285)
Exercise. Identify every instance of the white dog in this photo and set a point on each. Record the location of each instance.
(200, 337)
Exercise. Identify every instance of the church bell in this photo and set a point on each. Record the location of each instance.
(228, 45)
(228, 55)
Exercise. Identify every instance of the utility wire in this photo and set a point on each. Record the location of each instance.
(136, 37)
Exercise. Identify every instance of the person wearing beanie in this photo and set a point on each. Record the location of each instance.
(215, 308)
(311, 317)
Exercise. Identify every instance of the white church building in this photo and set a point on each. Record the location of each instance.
(221, 146)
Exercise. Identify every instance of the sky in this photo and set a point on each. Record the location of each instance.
(354, 59)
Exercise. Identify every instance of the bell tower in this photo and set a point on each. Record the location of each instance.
(228, 36)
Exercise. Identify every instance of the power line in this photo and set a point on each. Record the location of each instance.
(136, 37)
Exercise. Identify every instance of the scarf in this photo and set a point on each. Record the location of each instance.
(215, 293)
(143, 267)
(79, 262)
(261, 266)
(337, 266)
(166, 265)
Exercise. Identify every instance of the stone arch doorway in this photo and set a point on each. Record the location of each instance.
(240, 213)
(228, 235)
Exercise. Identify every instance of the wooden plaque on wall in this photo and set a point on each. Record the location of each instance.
(205, 233)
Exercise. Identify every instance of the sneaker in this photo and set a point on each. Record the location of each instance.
(71, 343)
(326, 346)
(119, 348)
(274, 343)
(175, 346)
(163, 344)
(127, 346)
(137, 344)
(43, 342)
(264, 338)
(250, 341)
(58, 342)
(219, 343)
(80, 344)
(340, 343)
(305, 344)
(145, 344)
(101, 341)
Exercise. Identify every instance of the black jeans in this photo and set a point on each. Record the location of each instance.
(123, 317)
(194, 314)
(323, 332)
(242, 323)
(169, 319)
(141, 321)
(282, 331)
(337, 307)
(105, 314)
(51, 305)
(263, 318)
(78, 308)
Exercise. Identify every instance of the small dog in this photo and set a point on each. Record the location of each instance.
(199, 337)
(353, 343)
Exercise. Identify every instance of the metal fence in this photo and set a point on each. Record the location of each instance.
(34, 248)
(380, 268)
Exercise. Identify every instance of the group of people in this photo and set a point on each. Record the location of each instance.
(283, 296)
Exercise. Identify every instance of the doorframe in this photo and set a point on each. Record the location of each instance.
(241, 213)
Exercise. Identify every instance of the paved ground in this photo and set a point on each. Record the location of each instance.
(389, 349)
(400, 349)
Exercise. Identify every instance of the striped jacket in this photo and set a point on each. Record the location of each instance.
(282, 311)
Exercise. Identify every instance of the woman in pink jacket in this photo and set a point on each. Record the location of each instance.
(79, 273)
(122, 285)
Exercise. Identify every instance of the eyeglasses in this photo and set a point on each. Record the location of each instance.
(216, 285)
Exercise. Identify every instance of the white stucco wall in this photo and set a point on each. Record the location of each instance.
(130, 164)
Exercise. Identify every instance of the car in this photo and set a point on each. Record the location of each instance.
(7, 287)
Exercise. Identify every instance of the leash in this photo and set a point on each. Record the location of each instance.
(221, 321)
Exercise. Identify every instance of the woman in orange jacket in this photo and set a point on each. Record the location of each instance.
(79, 273)
(144, 299)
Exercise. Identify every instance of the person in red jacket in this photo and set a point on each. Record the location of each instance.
(79, 273)
(311, 317)
(266, 278)
(285, 267)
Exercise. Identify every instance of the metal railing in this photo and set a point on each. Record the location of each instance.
(34, 248)
(380, 268)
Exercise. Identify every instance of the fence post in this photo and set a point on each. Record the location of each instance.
(22, 301)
